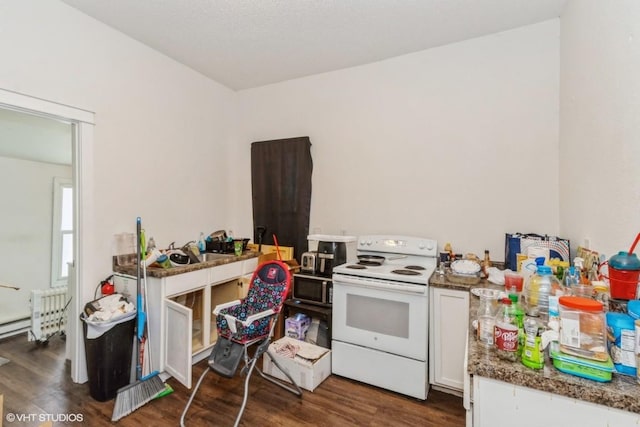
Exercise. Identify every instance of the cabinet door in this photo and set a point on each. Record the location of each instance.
(449, 322)
(178, 347)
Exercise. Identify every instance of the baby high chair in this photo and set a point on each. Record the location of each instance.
(247, 322)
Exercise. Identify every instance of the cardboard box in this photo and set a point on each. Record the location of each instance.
(270, 253)
(296, 327)
(286, 252)
(293, 265)
(310, 366)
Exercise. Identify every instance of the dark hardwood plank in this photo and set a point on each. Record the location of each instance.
(37, 381)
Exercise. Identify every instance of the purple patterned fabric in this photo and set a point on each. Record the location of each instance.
(262, 296)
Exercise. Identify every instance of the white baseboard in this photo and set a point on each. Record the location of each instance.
(447, 390)
(14, 328)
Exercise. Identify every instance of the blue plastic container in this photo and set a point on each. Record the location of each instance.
(633, 307)
(621, 342)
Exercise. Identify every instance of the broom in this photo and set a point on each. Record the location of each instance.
(144, 389)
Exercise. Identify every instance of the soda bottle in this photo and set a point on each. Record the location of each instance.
(506, 332)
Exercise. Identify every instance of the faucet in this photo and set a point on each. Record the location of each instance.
(184, 248)
(186, 245)
(187, 249)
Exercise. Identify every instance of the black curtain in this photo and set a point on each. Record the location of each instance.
(281, 187)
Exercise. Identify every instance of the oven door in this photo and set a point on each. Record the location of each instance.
(385, 316)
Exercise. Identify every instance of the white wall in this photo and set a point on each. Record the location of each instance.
(457, 143)
(25, 231)
(162, 130)
(600, 123)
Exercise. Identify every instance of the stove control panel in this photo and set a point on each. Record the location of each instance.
(398, 245)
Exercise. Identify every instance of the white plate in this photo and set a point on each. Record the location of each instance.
(491, 293)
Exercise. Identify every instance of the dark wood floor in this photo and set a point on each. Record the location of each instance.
(37, 381)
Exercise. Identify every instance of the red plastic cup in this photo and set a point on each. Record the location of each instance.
(513, 280)
(623, 283)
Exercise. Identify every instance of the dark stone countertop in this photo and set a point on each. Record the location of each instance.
(160, 272)
(623, 392)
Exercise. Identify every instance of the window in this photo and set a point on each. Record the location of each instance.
(62, 237)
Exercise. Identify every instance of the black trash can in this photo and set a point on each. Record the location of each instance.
(109, 358)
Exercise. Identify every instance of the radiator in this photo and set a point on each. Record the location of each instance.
(48, 313)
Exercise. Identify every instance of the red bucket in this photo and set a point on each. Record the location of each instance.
(623, 284)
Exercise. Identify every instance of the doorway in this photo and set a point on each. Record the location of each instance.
(81, 126)
(35, 156)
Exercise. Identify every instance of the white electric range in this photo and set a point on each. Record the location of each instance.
(380, 313)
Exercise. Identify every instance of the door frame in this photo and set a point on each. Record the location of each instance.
(82, 122)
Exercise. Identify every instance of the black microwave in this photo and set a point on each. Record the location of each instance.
(312, 289)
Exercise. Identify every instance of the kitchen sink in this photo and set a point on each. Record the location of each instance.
(208, 256)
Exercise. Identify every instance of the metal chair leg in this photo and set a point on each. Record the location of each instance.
(193, 394)
(251, 365)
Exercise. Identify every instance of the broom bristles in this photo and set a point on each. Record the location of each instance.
(133, 396)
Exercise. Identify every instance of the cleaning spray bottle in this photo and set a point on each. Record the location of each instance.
(202, 246)
(151, 245)
(578, 262)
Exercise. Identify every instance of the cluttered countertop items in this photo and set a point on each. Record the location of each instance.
(216, 249)
(569, 331)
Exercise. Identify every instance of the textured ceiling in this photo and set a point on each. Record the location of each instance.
(249, 43)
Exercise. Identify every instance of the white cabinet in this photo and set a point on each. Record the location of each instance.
(497, 403)
(181, 327)
(448, 326)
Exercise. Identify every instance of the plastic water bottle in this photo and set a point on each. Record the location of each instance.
(537, 290)
(486, 320)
